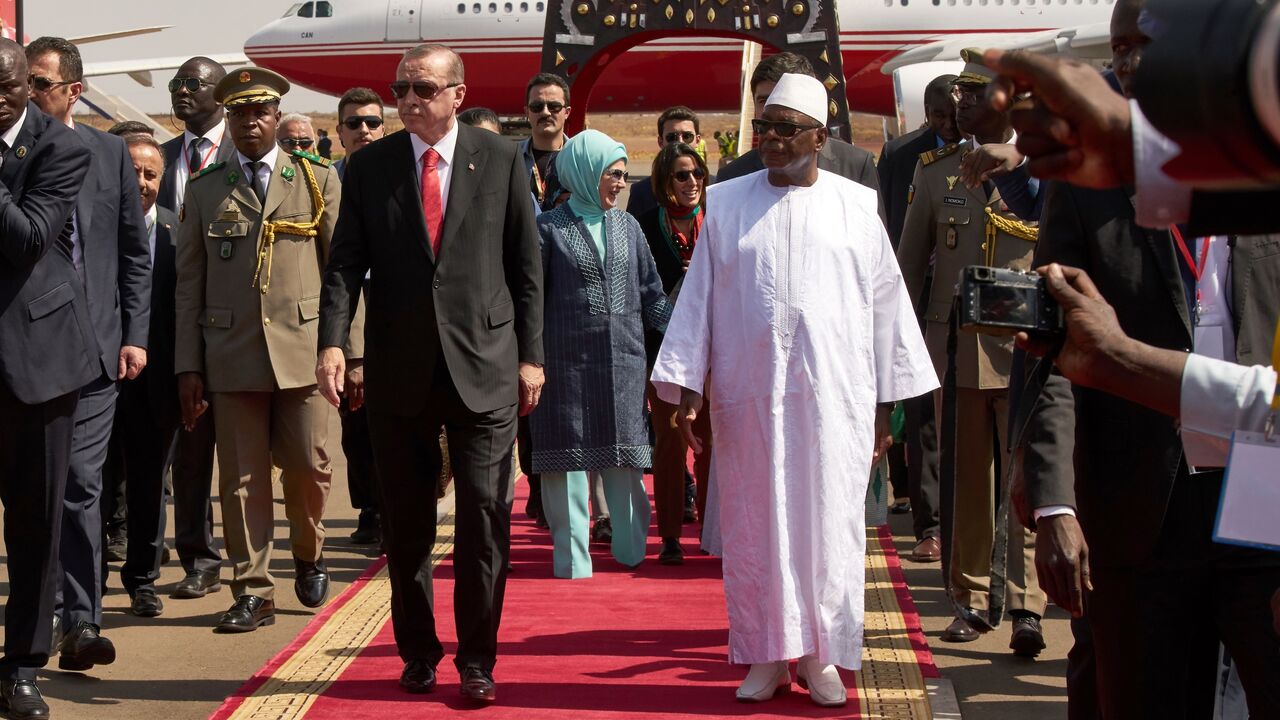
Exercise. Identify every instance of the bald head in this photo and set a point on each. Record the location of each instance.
(206, 67)
(14, 91)
(1128, 42)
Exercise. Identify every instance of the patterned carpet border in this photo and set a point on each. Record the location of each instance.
(906, 605)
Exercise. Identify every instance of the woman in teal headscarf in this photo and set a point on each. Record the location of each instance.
(601, 289)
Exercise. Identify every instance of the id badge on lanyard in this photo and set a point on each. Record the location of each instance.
(1250, 500)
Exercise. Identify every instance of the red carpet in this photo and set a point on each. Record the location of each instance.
(649, 642)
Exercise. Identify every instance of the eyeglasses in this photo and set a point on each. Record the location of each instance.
(192, 84)
(44, 84)
(537, 106)
(684, 136)
(781, 128)
(684, 175)
(355, 121)
(291, 143)
(424, 90)
(617, 175)
(966, 92)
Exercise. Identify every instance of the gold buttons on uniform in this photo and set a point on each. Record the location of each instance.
(266, 321)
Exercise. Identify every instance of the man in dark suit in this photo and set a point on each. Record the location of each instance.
(147, 412)
(46, 355)
(111, 255)
(836, 156)
(203, 143)
(439, 216)
(1148, 660)
(676, 124)
(918, 461)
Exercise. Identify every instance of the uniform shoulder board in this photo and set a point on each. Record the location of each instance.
(209, 169)
(938, 153)
(322, 162)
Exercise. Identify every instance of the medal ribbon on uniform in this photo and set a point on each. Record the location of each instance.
(267, 243)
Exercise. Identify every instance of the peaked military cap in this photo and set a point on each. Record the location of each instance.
(975, 72)
(250, 86)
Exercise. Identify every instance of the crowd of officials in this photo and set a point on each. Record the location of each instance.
(164, 304)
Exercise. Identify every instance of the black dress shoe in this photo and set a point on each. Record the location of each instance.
(83, 646)
(1027, 639)
(368, 529)
(311, 582)
(116, 550)
(960, 631)
(144, 603)
(477, 685)
(248, 614)
(419, 676)
(672, 553)
(21, 700)
(602, 530)
(197, 584)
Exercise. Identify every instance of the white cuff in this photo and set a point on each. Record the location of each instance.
(1161, 200)
(1219, 397)
(1051, 510)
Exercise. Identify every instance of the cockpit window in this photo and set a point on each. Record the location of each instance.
(293, 9)
(324, 9)
(307, 10)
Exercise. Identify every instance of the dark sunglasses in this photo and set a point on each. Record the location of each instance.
(684, 137)
(355, 121)
(303, 143)
(552, 107)
(684, 175)
(44, 84)
(617, 175)
(781, 128)
(192, 84)
(424, 90)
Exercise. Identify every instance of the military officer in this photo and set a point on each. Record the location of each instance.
(253, 238)
(957, 226)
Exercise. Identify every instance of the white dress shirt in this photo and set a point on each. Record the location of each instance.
(10, 136)
(209, 146)
(151, 219)
(444, 168)
(267, 167)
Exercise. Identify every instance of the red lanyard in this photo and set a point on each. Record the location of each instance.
(204, 160)
(1197, 270)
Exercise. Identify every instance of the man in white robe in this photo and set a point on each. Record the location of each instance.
(795, 316)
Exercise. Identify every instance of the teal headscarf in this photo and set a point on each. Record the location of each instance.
(580, 165)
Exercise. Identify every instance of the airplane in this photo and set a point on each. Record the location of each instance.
(333, 45)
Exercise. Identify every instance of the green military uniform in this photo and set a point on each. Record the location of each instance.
(955, 226)
(248, 303)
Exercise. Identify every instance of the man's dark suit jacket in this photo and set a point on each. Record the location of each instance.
(897, 166)
(836, 156)
(478, 306)
(168, 196)
(46, 342)
(162, 384)
(1126, 457)
(113, 239)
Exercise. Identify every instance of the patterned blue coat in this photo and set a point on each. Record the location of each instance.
(592, 413)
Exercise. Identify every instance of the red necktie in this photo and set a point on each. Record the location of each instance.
(432, 211)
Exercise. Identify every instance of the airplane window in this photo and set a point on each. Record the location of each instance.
(324, 9)
(307, 10)
(493, 7)
(506, 7)
(462, 8)
(937, 2)
(292, 9)
(904, 3)
(475, 8)
(540, 7)
(524, 7)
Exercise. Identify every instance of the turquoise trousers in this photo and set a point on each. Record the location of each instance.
(564, 502)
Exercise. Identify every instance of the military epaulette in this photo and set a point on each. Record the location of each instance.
(938, 153)
(205, 171)
(322, 162)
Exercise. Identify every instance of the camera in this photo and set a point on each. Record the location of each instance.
(996, 301)
(1210, 81)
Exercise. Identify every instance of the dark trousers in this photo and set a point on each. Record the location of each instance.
(922, 465)
(407, 451)
(34, 456)
(1156, 627)
(524, 446)
(1082, 673)
(192, 508)
(671, 457)
(144, 445)
(362, 476)
(79, 595)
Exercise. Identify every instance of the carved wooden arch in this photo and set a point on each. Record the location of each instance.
(582, 36)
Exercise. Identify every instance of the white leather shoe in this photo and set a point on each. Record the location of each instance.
(764, 681)
(823, 682)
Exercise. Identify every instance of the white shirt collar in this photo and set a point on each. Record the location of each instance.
(153, 216)
(11, 135)
(445, 147)
(214, 136)
(270, 158)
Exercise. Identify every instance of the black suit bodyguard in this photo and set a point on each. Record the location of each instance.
(440, 217)
(46, 356)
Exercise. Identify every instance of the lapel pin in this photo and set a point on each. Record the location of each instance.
(287, 173)
(22, 151)
(470, 166)
(233, 177)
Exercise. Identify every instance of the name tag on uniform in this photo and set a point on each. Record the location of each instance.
(948, 200)
(1250, 500)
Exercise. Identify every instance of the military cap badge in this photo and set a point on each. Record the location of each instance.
(245, 76)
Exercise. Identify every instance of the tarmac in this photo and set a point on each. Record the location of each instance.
(175, 668)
